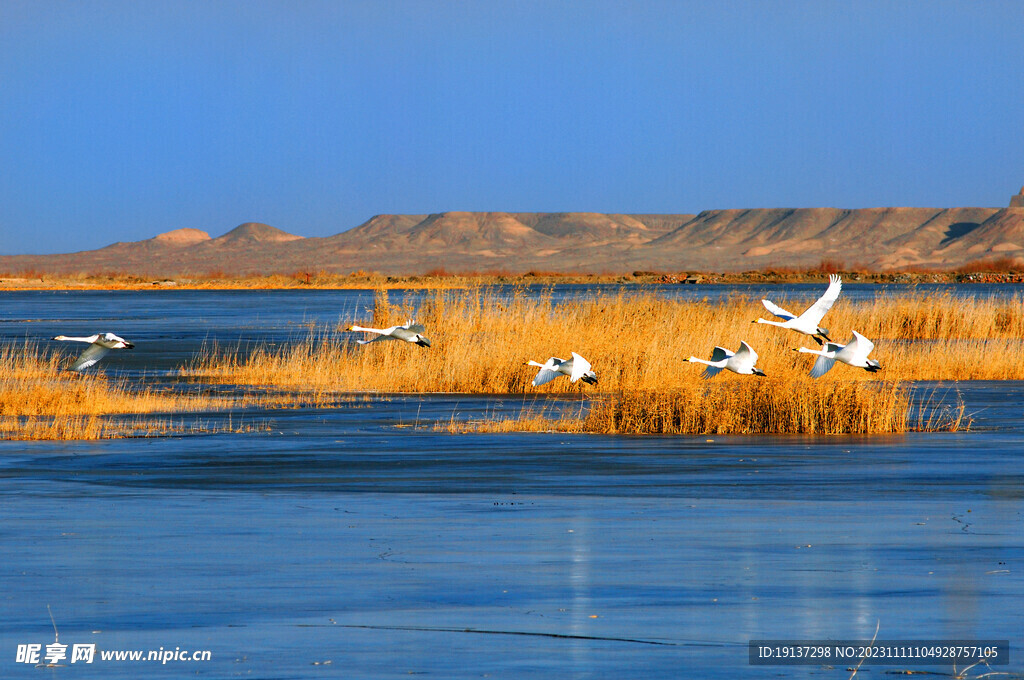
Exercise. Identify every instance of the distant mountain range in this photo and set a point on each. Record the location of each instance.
(714, 240)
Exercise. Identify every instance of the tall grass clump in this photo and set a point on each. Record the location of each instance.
(933, 316)
(39, 401)
(32, 384)
(764, 407)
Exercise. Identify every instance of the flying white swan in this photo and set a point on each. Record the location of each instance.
(99, 345)
(742, 361)
(576, 368)
(410, 332)
(807, 322)
(855, 353)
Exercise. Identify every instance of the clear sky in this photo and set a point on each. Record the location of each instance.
(120, 120)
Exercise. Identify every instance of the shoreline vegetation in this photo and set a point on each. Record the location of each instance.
(636, 340)
(40, 401)
(808, 409)
(999, 270)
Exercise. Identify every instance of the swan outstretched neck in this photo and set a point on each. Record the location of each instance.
(819, 352)
(379, 331)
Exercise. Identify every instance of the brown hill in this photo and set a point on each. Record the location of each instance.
(253, 232)
(463, 241)
(1000, 233)
(883, 238)
(714, 240)
(182, 237)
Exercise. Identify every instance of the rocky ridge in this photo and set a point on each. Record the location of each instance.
(713, 240)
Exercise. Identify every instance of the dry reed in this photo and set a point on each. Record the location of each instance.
(786, 407)
(32, 384)
(99, 427)
(481, 340)
(39, 401)
(800, 406)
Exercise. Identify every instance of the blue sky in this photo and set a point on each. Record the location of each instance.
(120, 120)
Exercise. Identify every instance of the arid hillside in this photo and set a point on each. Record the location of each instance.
(714, 240)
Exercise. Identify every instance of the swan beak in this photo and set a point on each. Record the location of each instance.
(423, 342)
(129, 345)
(758, 371)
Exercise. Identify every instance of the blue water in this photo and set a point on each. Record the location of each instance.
(361, 537)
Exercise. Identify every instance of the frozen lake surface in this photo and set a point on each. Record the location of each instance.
(359, 536)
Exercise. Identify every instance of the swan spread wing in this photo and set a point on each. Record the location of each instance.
(544, 376)
(778, 311)
(720, 354)
(861, 345)
(416, 328)
(89, 357)
(816, 312)
(711, 372)
(580, 366)
(823, 365)
(112, 341)
(746, 353)
(376, 339)
(404, 333)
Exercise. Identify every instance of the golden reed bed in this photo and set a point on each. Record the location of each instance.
(762, 408)
(636, 343)
(40, 401)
